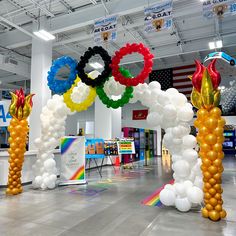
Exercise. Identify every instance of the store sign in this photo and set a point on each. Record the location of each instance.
(158, 17)
(126, 146)
(140, 114)
(5, 117)
(105, 29)
(72, 160)
(219, 8)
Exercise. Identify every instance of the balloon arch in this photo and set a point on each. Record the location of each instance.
(195, 178)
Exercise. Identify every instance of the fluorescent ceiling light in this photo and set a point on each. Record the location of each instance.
(96, 65)
(43, 34)
(94, 2)
(219, 44)
(212, 45)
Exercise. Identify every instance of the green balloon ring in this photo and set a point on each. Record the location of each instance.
(126, 96)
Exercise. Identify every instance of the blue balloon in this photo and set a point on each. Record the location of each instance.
(61, 86)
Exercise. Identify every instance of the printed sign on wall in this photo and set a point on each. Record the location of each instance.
(72, 160)
(5, 117)
(218, 8)
(158, 17)
(140, 114)
(105, 29)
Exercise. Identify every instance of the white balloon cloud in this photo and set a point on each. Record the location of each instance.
(53, 118)
(171, 111)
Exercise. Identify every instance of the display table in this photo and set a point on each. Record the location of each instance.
(27, 173)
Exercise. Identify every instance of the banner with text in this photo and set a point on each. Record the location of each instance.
(5, 117)
(105, 29)
(158, 17)
(218, 8)
(72, 160)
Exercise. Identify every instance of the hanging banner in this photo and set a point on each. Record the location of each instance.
(158, 17)
(218, 8)
(72, 160)
(105, 29)
(5, 117)
(126, 146)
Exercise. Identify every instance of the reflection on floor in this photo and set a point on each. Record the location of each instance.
(111, 206)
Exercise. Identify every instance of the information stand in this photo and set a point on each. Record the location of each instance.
(72, 160)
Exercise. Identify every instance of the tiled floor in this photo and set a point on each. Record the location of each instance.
(111, 207)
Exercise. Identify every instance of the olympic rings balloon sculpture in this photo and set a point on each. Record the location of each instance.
(111, 68)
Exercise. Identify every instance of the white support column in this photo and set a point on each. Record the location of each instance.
(116, 122)
(103, 121)
(40, 64)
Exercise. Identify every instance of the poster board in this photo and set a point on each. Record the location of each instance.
(94, 148)
(111, 147)
(126, 146)
(72, 160)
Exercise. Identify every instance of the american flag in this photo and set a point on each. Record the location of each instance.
(175, 78)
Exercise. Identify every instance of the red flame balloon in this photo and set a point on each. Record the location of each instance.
(215, 75)
(197, 76)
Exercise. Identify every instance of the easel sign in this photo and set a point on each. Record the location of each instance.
(126, 146)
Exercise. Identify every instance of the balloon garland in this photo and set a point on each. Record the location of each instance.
(85, 59)
(206, 97)
(61, 86)
(19, 109)
(79, 106)
(124, 98)
(129, 49)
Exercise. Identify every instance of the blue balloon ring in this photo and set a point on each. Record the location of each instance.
(61, 86)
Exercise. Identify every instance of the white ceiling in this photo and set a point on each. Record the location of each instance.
(71, 21)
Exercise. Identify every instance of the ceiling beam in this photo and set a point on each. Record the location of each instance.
(43, 9)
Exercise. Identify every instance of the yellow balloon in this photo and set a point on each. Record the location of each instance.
(216, 112)
(202, 114)
(205, 212)
(221, 122)
(223, 214)
(212, 155)
(217, 147)
(79, 106)
(210, 139)
(211, 123)
(214, 215)
(205, 147)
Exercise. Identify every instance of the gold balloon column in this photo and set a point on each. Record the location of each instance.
(19, 109)
(206, 97)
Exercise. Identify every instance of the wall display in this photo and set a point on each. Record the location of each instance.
(101, 78)
(94, 148)
(229, 143)
(126, 146)
(19, 109)
(5, 116)
(219, 8)
(72, 160)
(60, 86)
(158, 17)
(206, 97)
(105, 29)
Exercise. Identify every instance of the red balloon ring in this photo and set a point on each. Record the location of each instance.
(129, 49)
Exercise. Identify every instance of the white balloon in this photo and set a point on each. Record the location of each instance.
(190, 155)
(180, 189)
(176, 157)
(182, 204)
(172, 91)
(188, 184)
(38, 181)
(181, 168)
(154, 85)
(49, 164)
(198, 182)
(169, 112)
(195, 195)
(185, 114)
(167, 197)
(154, 119)
(189, 141)
(179, 100)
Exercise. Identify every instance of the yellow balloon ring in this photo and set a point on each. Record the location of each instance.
(79, 106)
